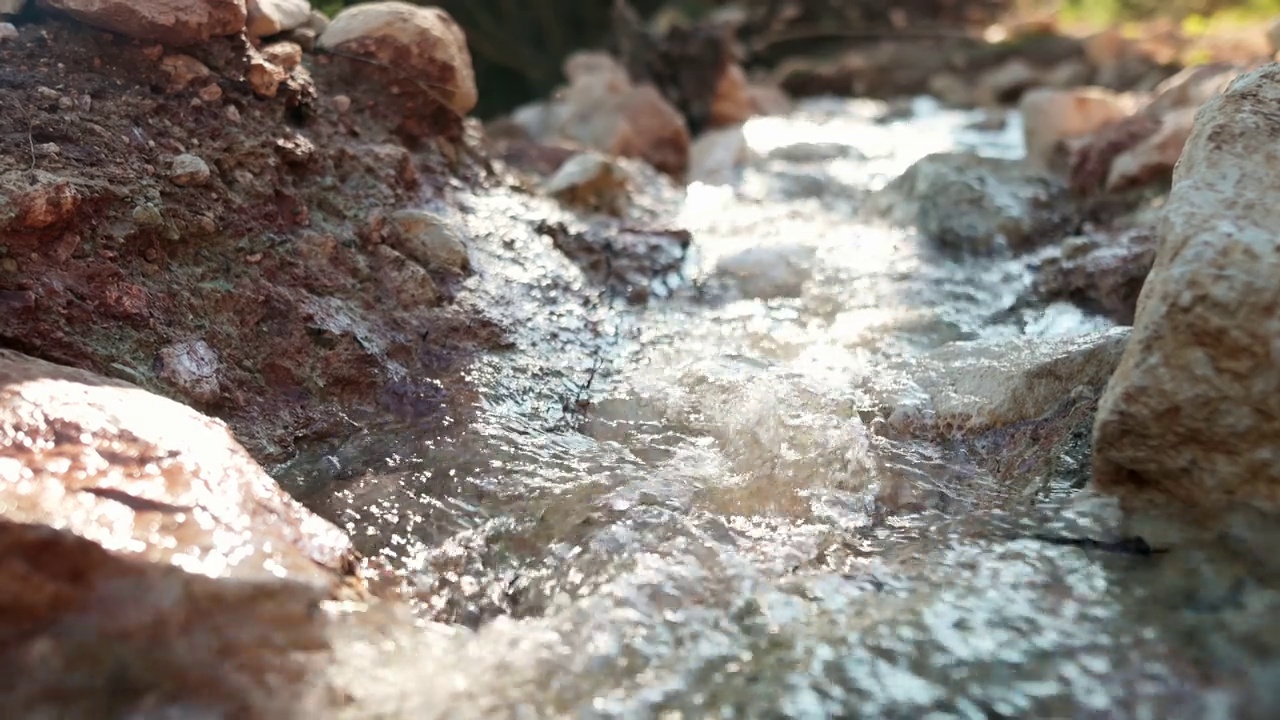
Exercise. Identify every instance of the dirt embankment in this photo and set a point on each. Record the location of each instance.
(164, 221)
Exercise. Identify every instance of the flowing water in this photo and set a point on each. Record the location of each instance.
(683, 509)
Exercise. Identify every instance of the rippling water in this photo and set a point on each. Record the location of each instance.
(681, 510)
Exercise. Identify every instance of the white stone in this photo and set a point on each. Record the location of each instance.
(272, 17)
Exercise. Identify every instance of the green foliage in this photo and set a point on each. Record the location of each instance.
(1105, 12)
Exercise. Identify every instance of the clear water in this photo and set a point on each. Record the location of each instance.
(711, 528)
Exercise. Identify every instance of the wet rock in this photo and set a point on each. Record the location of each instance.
(272, 17)
(148, 558)
(628, 261)
(52, 200)
(590, 181)
(717, 155)
(1191, 417)
(768, 271)
(8, 32)
(1100, 275)
(172, 22)
(193, 367)
(973, 387)
(1152, 159)
(287, 55)
(429, 240)
(424, 42)
(977, 205)
(813, 152)
(732, 103)
(1051, 115)
(189, 171)
(183, 70)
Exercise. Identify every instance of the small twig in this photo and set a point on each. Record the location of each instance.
(31, 142)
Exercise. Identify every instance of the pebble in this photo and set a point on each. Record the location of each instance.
(189, 170)
(194, 367)
(341, 103)
(48, 94)
(265, 77)
(288, 55)
(233, 113)
(183, 70)
(8, 32)
(211, 93)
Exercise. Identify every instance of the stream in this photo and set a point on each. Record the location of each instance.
(682, 509)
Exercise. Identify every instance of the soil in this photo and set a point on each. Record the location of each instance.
(108, 264)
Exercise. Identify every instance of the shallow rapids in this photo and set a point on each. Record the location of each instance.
(689, 509)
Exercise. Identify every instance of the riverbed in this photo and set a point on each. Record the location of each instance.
(690, 507)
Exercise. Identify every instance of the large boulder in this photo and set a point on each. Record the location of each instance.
(1192, 414)
(172, 22)
(977, 205)
(421, 43)
(147, 558)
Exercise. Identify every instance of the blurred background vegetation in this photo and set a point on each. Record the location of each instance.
(518, 46)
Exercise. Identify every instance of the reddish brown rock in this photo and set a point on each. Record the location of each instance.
(172, 22)
(140, 541)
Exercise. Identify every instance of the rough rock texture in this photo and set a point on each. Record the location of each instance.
(135, 516)
(419, 55)
(977, 205)
(172, 22)
(1193, 412)
(1050, 116)
(105, 263)
(1102, 275)
(272, 17)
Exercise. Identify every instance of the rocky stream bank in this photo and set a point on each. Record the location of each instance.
(319, 398)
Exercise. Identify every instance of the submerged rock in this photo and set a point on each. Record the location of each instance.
(1193, 412)
(148, 559)
(977, 205)
(172, 22)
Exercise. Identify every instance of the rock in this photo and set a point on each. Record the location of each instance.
(1152, 159)
(975, 386)
(192, 367)
(637, 123)
(8, 32)
(1190, 419)
(272, 17)
(1107, 48)
(717, 155)
(183, 70)
(264, 76)
(285, 54)
(1090, 161)
(1102, 276)
(1052, 115)
(424, 42)
(951, 89)
(769, 100)
(141, 541)
(732, 103)
(590, 181)
(977, 205)
(1273, 35)
(411, 284)
(11, 7)
(1005, 83)
(1068, 74)
(429, 240)
(768, 271)
(813, 152)
(1192, 87)
(172, 22)
(189, 171)
(51, 200)
(210, 93)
